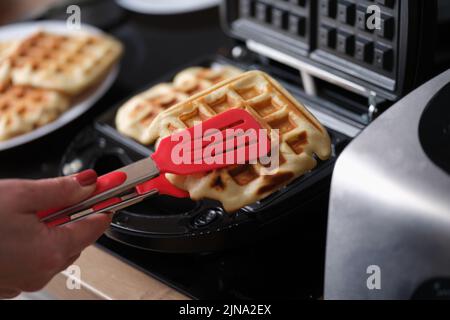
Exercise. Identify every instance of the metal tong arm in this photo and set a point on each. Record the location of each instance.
(113, 184)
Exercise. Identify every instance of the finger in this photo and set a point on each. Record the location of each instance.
(63, 267)
(71, 261)
(9, 293)
(75, 237)
(58, 192)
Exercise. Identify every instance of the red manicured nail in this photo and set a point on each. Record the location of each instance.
(86, 177)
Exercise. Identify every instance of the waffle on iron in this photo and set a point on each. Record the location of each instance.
(197, 79)
(23, 109)
(66, 63)
(302, 138)
(135, 116)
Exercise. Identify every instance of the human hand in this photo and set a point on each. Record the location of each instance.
(31, 253)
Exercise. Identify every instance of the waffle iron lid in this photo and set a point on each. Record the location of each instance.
(341, 39)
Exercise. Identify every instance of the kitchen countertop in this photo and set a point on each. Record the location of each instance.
(153, 46)
(105, 277)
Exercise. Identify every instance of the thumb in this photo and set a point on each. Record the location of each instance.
(59, 192)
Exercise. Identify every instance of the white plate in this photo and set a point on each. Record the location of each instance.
(21, 30)
(167, 6)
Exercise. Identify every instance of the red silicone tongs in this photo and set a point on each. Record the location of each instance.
(202, 148)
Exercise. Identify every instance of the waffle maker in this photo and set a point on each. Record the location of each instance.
(322, 53)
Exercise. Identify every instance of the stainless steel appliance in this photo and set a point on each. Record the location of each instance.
(389, 216)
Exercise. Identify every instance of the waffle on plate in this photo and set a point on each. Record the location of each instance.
(67, 63)
(6, 48)
(40, 74)
(135, 116)
(23, 109)
(302, 138)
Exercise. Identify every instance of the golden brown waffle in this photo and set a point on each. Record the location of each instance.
(135, 116)
(6, 49)
(197, 79)
(68, 64)
(301, 138)
(23, 109)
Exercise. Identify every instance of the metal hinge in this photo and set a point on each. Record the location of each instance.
(373, 106)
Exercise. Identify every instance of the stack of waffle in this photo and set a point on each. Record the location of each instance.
(302, 138)
(41, 74)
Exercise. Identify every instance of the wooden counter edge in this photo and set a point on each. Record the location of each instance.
(103, 276)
